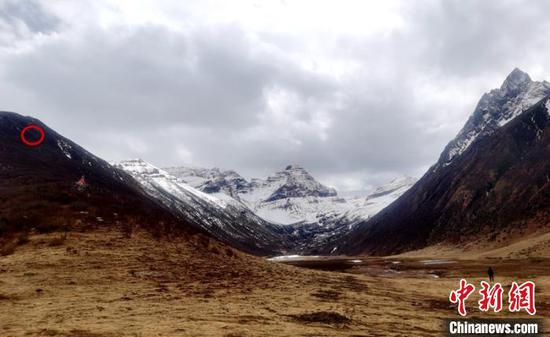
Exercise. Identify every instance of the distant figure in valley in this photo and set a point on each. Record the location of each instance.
(491, 274)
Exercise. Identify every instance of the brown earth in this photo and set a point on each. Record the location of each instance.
(104, 283)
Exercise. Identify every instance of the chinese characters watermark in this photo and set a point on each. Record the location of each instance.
(520, 297)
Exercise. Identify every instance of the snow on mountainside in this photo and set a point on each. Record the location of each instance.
(218, 213)
(494, 110)
(293, 196)
(211, 180)
(365, 207)
(338, 219)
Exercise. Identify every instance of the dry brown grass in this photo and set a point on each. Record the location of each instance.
(58, 240)
(100, 284)
(8, 247)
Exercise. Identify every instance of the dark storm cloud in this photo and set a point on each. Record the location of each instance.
(358, 107)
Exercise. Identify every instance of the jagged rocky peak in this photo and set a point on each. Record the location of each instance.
(213, 180)
(229, 182)
(494, 110)
(297, 182)
(515, 81)
(289, 171)
(294, 167)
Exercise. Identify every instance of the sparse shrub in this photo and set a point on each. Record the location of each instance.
(229, 252)
(158, 231)
(71, 250)
(13, 225)
(58, 241)
(200, 241)
(56, 224)
(23, 238)
(328, 317)
(127, 228)
(9, 243)
(327, 294)
(44, 228)
(214, 250)
(8, 247)
(8, 297)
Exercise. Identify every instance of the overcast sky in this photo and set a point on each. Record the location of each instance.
(357, 92)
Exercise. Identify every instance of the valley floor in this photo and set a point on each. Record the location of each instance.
(103, 284)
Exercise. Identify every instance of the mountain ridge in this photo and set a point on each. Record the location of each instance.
(290, 196)
(497, 188)
(494, 109)
(39, 186)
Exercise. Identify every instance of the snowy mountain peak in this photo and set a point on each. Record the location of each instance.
(294, 167)
(137, 166)
(211, 180)
(494, 110)
(295, 182)
(516, 80)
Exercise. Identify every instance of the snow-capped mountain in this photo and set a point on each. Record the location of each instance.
(293, 197)
(217, 212)
(495, 109)
(491, 184)
(287, 197)
(292, 182)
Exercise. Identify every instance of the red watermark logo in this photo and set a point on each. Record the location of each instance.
(520, 297)
(26, 141)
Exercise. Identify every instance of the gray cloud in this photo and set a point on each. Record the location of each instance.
(465, 38)
(29, 13)
(354, 108)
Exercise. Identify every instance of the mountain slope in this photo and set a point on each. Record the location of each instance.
(218, 214)
(498, 188)
(39, 191)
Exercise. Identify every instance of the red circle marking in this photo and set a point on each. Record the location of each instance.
(31, 143)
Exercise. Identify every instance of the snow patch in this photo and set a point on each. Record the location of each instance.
(64, 147)
(293, 258)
